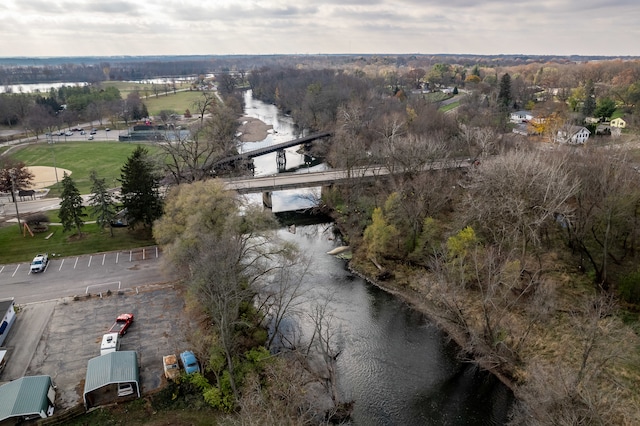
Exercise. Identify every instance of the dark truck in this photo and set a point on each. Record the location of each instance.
(123, 321)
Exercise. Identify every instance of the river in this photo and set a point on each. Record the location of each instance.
(397, 366)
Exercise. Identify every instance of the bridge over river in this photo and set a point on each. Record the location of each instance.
(277, 182)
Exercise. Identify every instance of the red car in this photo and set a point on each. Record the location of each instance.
(122, 324)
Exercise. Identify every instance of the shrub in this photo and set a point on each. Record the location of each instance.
(629, 287)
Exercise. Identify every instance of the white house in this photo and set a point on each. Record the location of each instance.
(573, 135)
(619, 123)
(521, 116)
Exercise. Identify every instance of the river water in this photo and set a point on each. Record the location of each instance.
(394, 363)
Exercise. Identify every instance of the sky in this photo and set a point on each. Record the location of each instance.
(221, 27)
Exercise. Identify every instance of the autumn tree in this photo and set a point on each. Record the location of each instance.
(71, 209)
(604, 227)
(226, 259)
(139, 190)
(14, 176)
(102, 202)
(513, 197)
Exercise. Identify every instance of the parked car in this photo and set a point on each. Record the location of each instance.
(90, 137)
(82, 132)
(93, 131)
(123, 321)
(171, 367)
(39, 263)
(189, 362)
(69, 133)
(107, 129)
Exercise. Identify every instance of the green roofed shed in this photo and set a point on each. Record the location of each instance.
(119, 367)
(27, 397)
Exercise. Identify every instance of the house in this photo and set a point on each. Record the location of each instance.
(619, 123)
(573, 134)
(521, 116)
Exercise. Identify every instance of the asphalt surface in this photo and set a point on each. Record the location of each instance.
(64, 311)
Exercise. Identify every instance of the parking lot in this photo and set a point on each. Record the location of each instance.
(78, 275)
(58, 337)
(64, 311)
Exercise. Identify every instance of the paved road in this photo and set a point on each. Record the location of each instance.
(77, 275)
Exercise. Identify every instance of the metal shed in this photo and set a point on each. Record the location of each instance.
(27, 397)
(120, 367)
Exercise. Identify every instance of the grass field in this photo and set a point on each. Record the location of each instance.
(106, 158)
(178, 102)
(19, 248)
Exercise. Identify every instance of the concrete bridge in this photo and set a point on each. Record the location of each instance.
(278, 182)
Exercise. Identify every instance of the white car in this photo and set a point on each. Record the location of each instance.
(39, 263)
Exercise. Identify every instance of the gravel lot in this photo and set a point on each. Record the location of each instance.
(73, 331)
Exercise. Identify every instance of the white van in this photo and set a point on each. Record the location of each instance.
(110, 343)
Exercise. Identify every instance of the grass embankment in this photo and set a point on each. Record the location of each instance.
(106, 158)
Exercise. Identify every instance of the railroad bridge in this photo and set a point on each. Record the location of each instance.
(245, 157)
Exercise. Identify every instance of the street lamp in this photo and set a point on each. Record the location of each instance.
(15, 200)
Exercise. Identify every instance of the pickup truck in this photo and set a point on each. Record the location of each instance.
(123, 321)
(39, 263)
(171, 367)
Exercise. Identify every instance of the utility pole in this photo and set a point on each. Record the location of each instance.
(15, 199)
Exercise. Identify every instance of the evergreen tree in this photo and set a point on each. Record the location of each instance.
(140, 182)
(504, 95)
(589, 105)
(71, 208)
(102, 202)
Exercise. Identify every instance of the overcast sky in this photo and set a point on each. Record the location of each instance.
(175, 27)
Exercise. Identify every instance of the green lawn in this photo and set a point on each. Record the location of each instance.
(449, 107)
(178, 102)
(19, 248)
(106, 158)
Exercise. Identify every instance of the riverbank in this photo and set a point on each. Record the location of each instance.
(568, 355)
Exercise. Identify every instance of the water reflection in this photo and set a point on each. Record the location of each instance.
(396, 365)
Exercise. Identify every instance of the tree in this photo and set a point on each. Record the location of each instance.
(102, 201)
(14, 176)
(140, 189)
(224, 257)
(605, 108)
(504, 94)
(514, 196)
(589, 105)
(71, 208)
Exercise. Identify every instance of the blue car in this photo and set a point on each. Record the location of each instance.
(189, 362)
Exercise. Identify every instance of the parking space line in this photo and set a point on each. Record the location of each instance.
(130, 254)
(61, 263)
(16, 271)
(90, 258)
(156, 252)
(2, 269)
(117, 256)
(76, 263)
(104, 257)
(143, 254)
